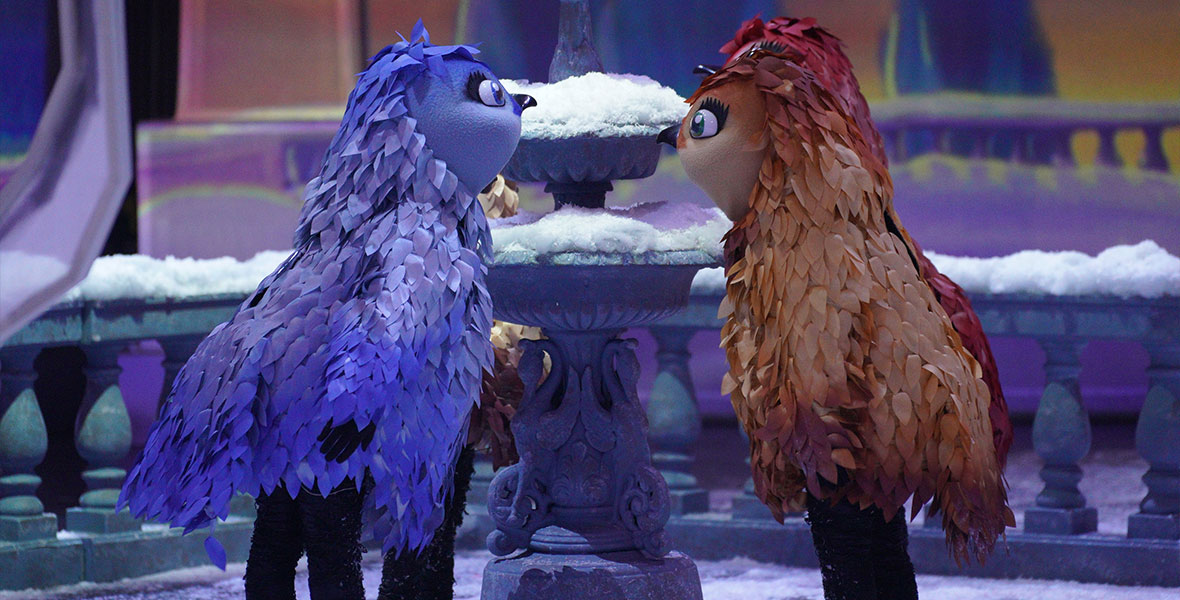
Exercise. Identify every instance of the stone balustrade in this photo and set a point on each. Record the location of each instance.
(1061, 523)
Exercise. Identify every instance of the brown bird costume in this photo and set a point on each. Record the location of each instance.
(844, 370)
(822, 54)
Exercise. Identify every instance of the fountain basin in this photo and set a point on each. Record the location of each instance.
(581, 297)
(586, 159)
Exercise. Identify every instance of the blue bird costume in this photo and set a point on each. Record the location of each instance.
(360, 358)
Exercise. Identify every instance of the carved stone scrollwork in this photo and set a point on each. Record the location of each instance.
(518, 500)
(575, 479)
(518, 510)
(642, 503)
(644, 510)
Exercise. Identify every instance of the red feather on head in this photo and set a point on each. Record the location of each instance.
(823, 54)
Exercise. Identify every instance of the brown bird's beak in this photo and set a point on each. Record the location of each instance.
(669, 135)
(524, 100)
(705, 70)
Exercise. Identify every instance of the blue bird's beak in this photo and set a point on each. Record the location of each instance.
(524, 100)
(669, 135)
(705, 70)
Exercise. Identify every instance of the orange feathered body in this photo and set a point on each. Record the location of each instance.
(844, 369)
(822, 54)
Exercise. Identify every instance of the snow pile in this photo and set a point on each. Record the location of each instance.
(140, 276)
(600, 104)
(1144, 270)
(576, 235)
(709, 281)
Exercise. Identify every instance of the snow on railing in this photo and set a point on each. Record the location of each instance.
(1143, 270)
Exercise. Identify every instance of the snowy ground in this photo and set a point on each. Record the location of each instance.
(725, 580)
(1112, 484)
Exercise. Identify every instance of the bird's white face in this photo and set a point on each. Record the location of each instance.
(469, 120)
(722, 143)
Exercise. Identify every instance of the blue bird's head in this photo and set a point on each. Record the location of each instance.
(470, 122)
(415, 104)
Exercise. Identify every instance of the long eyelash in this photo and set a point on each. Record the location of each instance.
(718, 109)
(473, 81)
(770, 46)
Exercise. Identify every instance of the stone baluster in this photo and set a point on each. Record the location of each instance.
(1108, 155)
(102, 435)
(944, 140)
(1154, 158)
(1022, 141)
(481, 479)
(898, 140)
(23, 442)
(1061, 148)
(674, 421)
(1061, 437)
(177, 351)
(889, 139)
(1156, 438)
(979, 143)
(746, 504)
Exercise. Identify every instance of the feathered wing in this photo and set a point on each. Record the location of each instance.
(320, 344)
(844, 369)
(195, 455)
(966, 323)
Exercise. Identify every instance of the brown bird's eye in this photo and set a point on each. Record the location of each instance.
(708, 119)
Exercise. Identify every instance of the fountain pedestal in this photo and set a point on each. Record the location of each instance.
(584, 509)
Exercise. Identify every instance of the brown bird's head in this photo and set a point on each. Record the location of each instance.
(764, 127)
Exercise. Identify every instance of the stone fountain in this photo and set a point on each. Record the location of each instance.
(582, 514)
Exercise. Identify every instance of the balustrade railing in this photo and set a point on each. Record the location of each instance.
(1023, 129)
(1062, 325)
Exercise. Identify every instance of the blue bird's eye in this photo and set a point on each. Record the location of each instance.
(486, 91)
(491, 93)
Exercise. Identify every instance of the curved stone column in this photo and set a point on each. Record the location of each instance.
(1157, 438)
(674, 420)
(102, 435)
(23, 443)
(1061, 437)
(177, 351)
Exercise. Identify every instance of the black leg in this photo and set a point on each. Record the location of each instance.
(431, 574)
(843, 537)
(275, 548)
(891, 560)
(332, 532)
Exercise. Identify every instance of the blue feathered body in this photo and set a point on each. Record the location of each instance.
(380, 315)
